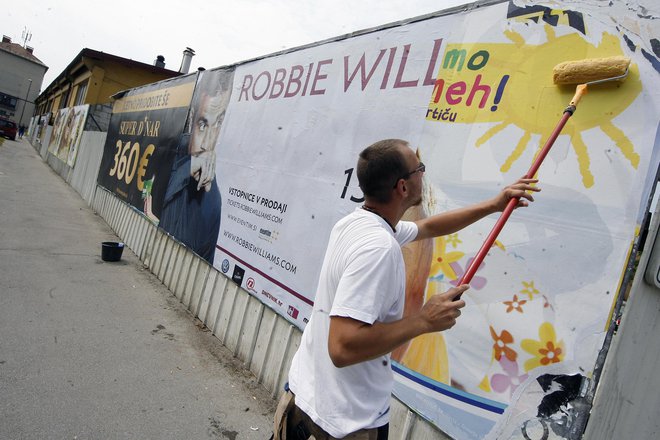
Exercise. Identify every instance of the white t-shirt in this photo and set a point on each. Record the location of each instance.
(362, 277)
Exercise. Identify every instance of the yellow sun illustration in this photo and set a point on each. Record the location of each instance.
(511, 84)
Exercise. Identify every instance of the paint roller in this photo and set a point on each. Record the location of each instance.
(584, 73)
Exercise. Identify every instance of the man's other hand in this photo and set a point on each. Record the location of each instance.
(441, 310)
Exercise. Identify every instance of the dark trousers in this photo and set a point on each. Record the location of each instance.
(292, 423)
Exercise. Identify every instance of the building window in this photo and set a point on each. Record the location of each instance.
(8, 101)
(64, 97)
(80, 94)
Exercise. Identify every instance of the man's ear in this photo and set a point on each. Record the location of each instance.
(398, 186)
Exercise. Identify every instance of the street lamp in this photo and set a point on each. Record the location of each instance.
(27, 96)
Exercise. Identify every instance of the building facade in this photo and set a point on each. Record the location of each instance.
(21, 76)
(93, 77)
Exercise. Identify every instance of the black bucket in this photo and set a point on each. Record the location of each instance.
(111, 250)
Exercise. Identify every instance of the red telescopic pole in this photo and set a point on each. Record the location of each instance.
(483, 251)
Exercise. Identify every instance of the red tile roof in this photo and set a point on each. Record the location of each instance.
(18, 50)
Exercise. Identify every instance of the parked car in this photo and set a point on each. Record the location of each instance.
(8, 129)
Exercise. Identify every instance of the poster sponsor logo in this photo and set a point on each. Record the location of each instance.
(238, 275)
(225, 266)
(292, 312)
(249, 284)
(271, 297)
(268, 235)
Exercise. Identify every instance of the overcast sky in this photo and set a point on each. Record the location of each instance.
(220, 31)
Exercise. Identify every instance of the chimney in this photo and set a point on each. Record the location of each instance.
(29, 49)
(160, 61)
(6, 39)
(187, 58)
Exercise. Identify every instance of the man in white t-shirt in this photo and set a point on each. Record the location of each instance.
(340, 379)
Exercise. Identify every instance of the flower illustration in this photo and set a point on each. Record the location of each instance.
(515, 304)
(477, 282)
(509, 381)
(547, 350)
(529, 289)
(453, 240)
(500, 345)
(442, 260)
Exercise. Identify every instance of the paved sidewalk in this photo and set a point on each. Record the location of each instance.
(97, 350)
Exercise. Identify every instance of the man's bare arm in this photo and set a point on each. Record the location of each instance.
(351, 341)
(453, 221)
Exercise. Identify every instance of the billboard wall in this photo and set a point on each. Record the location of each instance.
(256, 174)
(143, 137)
(67, 132)
(191, 203)
(473, 92)
(160, 155)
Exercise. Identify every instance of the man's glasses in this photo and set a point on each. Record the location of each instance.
(420, 169)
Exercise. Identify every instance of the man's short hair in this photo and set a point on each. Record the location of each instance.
(378, 168)
(216, 85)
